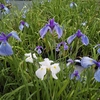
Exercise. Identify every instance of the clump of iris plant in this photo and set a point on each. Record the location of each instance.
(39, 49)
(22, 24)
(64, 44)
(5, 48)
(78, 34)
(47, 66)
(51, 26)
(4, 9)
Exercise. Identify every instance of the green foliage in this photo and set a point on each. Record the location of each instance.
(17, 77)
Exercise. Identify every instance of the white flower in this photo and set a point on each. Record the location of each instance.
(29, 57)
(46, 65)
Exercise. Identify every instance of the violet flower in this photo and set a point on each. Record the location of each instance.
(5, 48)
(75, 74)
(64, 44)
(4, 9)
(39, 49)
(51, 26)
(22, 24)
(78, 34)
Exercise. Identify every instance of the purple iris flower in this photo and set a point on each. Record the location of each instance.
(4, 9)
(75, 74)
(22, 24)
(64, 44)
(51, 26)
(5, 48)
(39, 49)
(78, 34)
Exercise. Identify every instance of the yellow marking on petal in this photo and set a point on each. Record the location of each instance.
(41, 68)
(55, 67)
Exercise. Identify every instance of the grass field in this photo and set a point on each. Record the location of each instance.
(50, 51)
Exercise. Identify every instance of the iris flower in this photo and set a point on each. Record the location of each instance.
(85, 62)
(46, 65)
(39, 49)
(73, 4)
(30, 57)
(75, 74)
(22, 24)
(5, 48)
(51, 26)
(64, 44)
(4, 9)
(78, 34)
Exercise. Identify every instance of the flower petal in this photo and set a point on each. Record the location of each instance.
(85, 40)
(21, 27)
(46, 62)
(86, 62)
(71, 38)
(97, 75)
(98, 50)
(15, 35)
(58, 29)
(29, 59)
(55, 68)
(5, 49)
(54, 76)
(26, 24)
(34, 56)
(41, 72)
(43, 31)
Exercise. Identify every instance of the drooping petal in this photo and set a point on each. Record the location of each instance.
(6, 10)
(5, 49)
(21, 27)
(71, 38)
(65, 46)
(43, 31)
(97, 75)
(54, 76)
(98, 50)
(26, 24)
(85, 40)
(86, 62)
(72, 76)
(34, 56)
(55, 68)
(59, 31)
(41, 72)
(15, 35)
(29, 59)
(77, 77)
